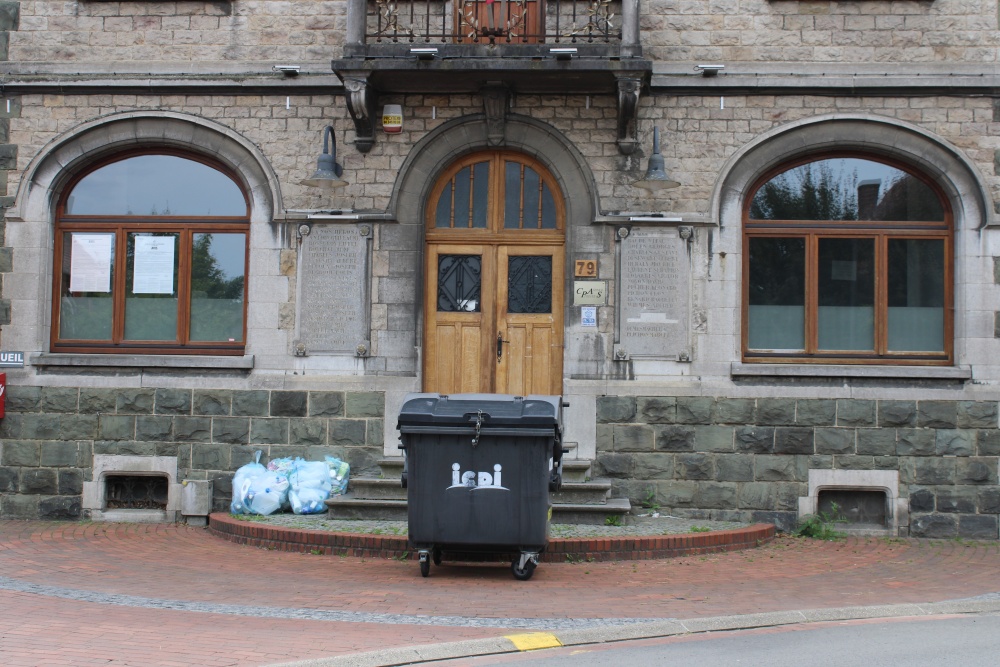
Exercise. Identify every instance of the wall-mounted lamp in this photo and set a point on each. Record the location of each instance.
(563, 52)
(656, 176)
(709, 70)
(328, 172)
(287, 70)
(424, 52)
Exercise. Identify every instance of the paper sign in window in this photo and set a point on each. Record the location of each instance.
(154, 265)
(90, 263)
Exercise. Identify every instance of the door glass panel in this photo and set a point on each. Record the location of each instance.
(218, 265)
(156, 185)
(151, 286)
(86, 309)
(529, 285)
(777, 294)
(916, 295)
(512, 195)
(846, 294)
(464, 201)
(459, 281)
(531, 214)
(548, 208)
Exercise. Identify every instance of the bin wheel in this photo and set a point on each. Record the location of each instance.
(436, 555)
(425, 568)
(522, 574)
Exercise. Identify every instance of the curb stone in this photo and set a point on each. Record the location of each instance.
(499, 645)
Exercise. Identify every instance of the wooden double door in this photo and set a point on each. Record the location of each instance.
(494, 278)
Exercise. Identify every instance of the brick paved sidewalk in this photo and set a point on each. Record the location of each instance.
(85, 594)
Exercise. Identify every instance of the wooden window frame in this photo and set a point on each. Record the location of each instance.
(121, 226)
(882, 232)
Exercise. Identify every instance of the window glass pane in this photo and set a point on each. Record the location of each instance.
(529, 285)
(480, 193)
(442, 217)
(459, 278)
(461, 213)
(151, 286)
(846, 294)
(156, 185)
(777, 294)
(512, 195)
(916, 295)
(844, 189)
(548, 209)
(86, 307)
(218, 280)
(531, 194)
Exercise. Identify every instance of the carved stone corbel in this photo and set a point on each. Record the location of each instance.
(628, 108)
(496, 100)
(361, 97)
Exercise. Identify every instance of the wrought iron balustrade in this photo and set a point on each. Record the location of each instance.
(478, 22)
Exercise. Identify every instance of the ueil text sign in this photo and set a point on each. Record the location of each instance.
(11, 359)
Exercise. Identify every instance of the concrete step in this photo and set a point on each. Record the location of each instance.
(370, 488)
(582, 493)
(584, 514)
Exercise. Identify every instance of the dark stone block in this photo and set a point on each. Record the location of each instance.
(307, 432)
(715, 495)
(784, 522)
(937, 414)
(816, 412)
(192, 429)
(957, 500)
(794, 440)
(116, 427)
(615, 465)
(231, 430)
(376, 432)
(210, 457)
(633, 438)
(363, 461)
(897, 413)
(734, 468)
(8, 480)
(933, 525)
(887, 463)
(922, 500)
(20, 453)
(695, 466)
(915, 442)
(978, 527)
(326, 404)
(988, 442)
(363, 404)
(347, 432)
(135, 401)
(775, 411)
(39, 481)
(989, 500)
(124, 448)
(60, 455)
(216, 402)
(254, 403)
(60, 399)
(265, 431)
(834, 440)
(758, 496)
(97, 401)
(854, 462)
(289, 403)
(877, 441)
(154, 427)
(78, 427)
(60, 508)
(615, 409)
(694, 410)
(240, 455)
(70, 482)
(734, 411)
(934, 472)
(24, 399)
(977, 414)
(776, 469)
(39, 427)
(976, 471)
(955, 443)
(10, 13)
(675, 438)
(713, 438)
(854, 412)
(652, 466)
(19, 507)
(11, 426)
(173, 402)
(755, 440)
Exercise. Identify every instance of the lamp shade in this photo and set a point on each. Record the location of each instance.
(656, 175)
(328, 173)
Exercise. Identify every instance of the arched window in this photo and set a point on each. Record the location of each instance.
(151, 257)
(847, 260)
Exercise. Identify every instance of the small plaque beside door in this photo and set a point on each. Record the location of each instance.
(590, 292)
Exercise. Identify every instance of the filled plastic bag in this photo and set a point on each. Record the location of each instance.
(241, 485)
(268, 492)
(309, 486)
(340, 471)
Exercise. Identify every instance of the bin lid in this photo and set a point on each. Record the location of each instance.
(498, 410)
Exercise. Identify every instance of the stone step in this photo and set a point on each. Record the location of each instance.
(370, 488)
(587, 514)
(587, 493)
(574, 470)
(582, 493)
(348, 507)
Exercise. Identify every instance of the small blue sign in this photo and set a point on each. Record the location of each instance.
(588, 316)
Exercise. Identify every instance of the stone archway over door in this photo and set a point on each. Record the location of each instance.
(494, 278)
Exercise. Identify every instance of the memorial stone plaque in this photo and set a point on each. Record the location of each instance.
(654, 294)
(333, 279)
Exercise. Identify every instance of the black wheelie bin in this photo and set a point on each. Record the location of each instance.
(478, 471)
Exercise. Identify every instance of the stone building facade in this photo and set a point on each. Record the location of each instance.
(653, 330)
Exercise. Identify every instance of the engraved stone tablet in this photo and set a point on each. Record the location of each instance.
(654, 294)
(332, 301)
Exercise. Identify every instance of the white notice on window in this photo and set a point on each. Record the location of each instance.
(90, 263)
(154, 265)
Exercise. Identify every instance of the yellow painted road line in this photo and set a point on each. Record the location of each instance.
(534, 640)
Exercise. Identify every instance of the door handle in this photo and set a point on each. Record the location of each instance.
(500, 342)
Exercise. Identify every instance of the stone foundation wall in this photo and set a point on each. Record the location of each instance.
(749, 459)
(50, 435)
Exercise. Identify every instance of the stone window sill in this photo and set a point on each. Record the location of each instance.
(953, 373)
(144, 361)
